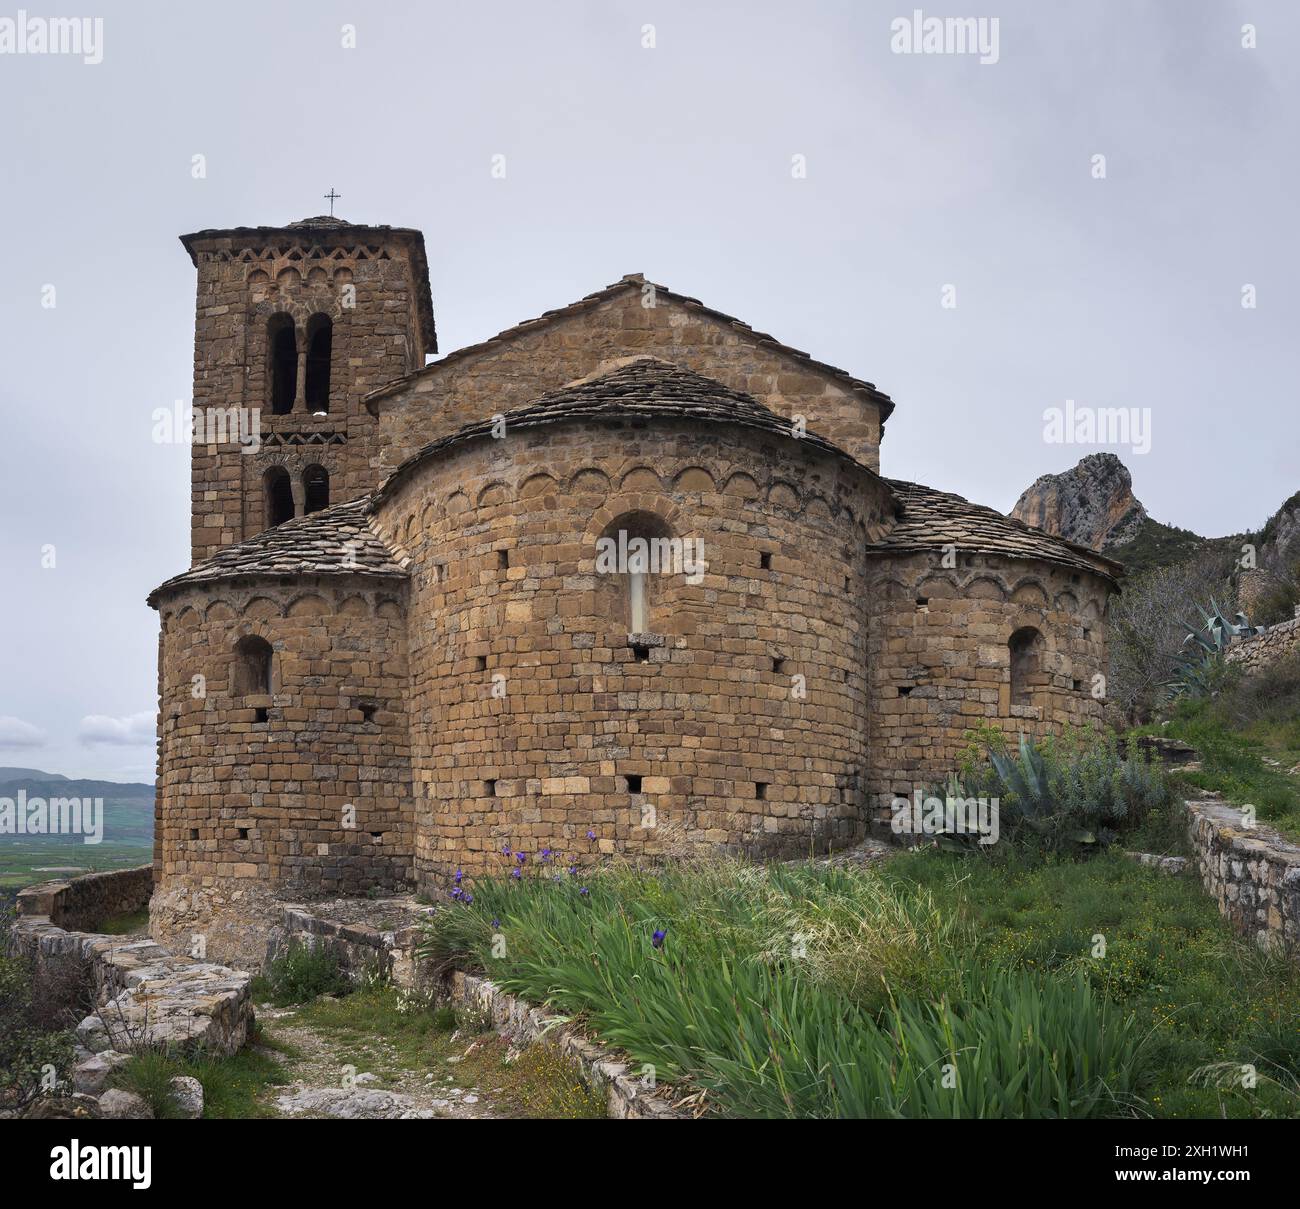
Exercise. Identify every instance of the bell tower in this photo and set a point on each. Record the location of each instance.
(293, 326)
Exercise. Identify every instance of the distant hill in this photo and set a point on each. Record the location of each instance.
(127, 836)
(13, 774)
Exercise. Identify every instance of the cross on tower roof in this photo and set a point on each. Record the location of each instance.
(332, 197)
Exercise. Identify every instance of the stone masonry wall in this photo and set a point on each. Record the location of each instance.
(82, 904)
(503, 533)
(316, 798)
(940, 665)
(1276, 643)
(515, 371)
(242, 283)
(1253, 873)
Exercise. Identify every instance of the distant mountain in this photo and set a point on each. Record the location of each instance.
(127, 825)
(1093, 504)
(42, 784)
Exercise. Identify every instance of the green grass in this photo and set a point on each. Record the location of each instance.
(125, 925)
(231, 1086)
(1235, 760)
(1048, 988)
(1201, 995)
(817, 992)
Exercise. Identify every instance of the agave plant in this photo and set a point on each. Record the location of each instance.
(1204, 648)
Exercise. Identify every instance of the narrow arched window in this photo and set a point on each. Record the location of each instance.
(1026, 648)
(320, 340)
(636, 550)
(281, 363)
(252, 674)
(278, 490)
(316, 488)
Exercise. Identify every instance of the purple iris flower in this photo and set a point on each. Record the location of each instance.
(658, 939)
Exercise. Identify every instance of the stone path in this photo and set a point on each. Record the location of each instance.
(338, 1079)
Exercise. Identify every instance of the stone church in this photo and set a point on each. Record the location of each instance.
(395, 652)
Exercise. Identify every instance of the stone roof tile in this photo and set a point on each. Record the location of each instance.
(338, 540)
(929, 519)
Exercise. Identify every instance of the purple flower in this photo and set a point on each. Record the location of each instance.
(469, 898)
(557, 878)
(516, 873)
(591, 835)
(658, 939)
(459, 874)
(584, 890)
(573, 870)
(506, 850)
(496, 923)
(545, 855)
(520, 857)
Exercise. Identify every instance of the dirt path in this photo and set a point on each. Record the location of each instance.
(335, 1072)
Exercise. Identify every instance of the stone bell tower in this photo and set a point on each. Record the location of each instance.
(293, 326)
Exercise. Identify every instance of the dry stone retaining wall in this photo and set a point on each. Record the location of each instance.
(1253, 873)
(84, 903)
(145, 996)
(1263, 650)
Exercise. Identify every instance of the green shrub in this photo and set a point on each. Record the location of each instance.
(36, 1051)
(1074, 794)
(299, 975)
(33, 1058)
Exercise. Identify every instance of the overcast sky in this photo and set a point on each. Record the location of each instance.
(922, 171)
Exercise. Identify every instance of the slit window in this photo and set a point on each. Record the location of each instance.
(633, 782)
(760, 790)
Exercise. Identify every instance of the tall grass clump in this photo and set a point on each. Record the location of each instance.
(795, 992)
(299, 975)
